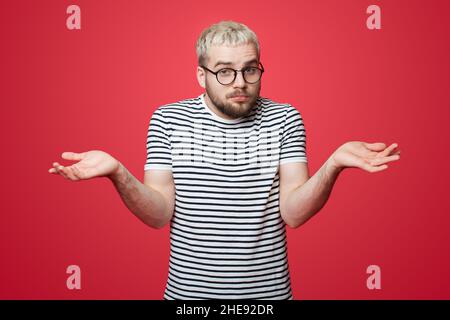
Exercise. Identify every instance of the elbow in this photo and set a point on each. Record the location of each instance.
(157, 224)
(293, 223)
(290, 220)
(158, 221)
(297, 219)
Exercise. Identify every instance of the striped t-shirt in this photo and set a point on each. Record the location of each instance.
(227, 237)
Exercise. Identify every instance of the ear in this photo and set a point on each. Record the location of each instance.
(201, 77)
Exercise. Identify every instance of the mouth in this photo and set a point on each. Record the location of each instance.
(239, 98)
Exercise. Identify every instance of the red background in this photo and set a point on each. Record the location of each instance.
(96, 88)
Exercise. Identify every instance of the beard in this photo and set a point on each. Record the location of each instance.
(234, 109)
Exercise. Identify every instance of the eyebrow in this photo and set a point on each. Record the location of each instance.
(230, 63)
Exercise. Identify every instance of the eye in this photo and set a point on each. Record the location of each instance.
(251, 70)
(226, 72)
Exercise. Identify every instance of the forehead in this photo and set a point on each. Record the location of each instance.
(235, 54)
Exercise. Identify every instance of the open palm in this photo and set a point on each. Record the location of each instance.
(371, 157)
(90, 164)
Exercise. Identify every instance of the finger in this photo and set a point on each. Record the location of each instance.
(377, 146)
(58, 168)
(388, 150)
(61, 171)
(395, 151)
(379, 168)
(380, 161)
(72, 156)
(366, 166)
(78, 173)
(70, 174)
(52, 170)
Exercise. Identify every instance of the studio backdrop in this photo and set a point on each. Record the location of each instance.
(87, 75)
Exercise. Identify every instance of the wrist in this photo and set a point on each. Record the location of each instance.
(117, 173)
(332, 166)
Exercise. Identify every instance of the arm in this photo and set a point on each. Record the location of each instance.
(302, 197)
(152, 201)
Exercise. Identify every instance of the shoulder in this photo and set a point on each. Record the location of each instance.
(269, 106)
(181, 104)
(177, 109)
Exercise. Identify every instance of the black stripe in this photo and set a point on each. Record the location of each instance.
(277, 263)
(228, 247)
(283, 232)
(282, 226)
(286, 275)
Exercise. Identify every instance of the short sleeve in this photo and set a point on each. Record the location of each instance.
(159, 154)
(293, 138)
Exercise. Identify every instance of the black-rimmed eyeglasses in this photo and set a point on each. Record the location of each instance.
(227, 76)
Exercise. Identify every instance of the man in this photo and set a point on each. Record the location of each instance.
(228, 170)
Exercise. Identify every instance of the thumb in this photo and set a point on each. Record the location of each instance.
(377, 146)
(72, 156)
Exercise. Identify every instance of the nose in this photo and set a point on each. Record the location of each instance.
(239, 82)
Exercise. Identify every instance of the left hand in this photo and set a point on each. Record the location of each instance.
(371, 157)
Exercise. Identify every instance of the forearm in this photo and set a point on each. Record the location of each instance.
(305, 201)
(144, 202)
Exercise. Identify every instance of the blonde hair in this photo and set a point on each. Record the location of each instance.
(229, 33)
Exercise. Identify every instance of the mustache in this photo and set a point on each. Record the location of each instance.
(236, 94)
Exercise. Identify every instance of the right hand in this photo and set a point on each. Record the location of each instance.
(90, 164)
